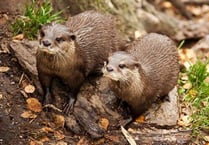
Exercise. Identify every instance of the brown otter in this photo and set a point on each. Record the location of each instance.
(147, 70)
(75, 50)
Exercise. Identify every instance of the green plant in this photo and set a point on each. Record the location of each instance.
(34, 16)
(198, 96)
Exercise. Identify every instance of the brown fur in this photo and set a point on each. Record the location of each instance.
(150, 69)
(76, 49)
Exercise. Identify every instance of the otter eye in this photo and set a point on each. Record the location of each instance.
(59, 39)
(122, 66)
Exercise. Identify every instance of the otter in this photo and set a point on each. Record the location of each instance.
(148, 69)
(73, 50)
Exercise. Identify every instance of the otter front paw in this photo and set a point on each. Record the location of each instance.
(68, 107)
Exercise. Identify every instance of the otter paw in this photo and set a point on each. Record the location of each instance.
(68, 107)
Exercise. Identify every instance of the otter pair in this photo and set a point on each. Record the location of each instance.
(73, 51)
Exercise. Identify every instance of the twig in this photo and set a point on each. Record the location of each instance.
(128, 136)
(53, 107)
(21, 78)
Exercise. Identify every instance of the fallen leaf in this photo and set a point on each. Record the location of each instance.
(187, 57)
(184, 121)
(61, 143)
(185, 77)
(28, 114)
(4, 69)
(32, 142)
(29, 89)
(44, 139)
(167, 4)
(104, 123)
(187, 86)
(47, 129)
(140, 119)
(205, 103)
(58, 135)
(193, 92)
(83, 141)
(34, 105)
(112, 138)
(206, 138)
(59, 121)
(18, 37)
(1, 96)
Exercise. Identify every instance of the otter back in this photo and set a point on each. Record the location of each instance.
(96, 36)
(158, 57)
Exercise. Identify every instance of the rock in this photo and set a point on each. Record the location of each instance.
(201, 48)
(25, 53)
(166, 113)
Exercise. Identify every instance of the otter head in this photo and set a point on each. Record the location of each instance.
(56, 39)
(121, 66)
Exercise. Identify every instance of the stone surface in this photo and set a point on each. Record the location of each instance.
(165, 113)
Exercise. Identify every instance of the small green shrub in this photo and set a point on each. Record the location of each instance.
(34, 16)
(198, 97)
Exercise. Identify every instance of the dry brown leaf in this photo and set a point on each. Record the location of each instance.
(83, 141)
(44, 139)
(206, 138)
(112, 138)
(167, 4)
(185, 121)
(185, 77)
(61, 143)
(59, 135)
(187, 57)
(104, 123)
(18, 37)
(28, 114)
(47, 129)
(204, 103)
(187, 86)
(140, 119)
(193, 93)
(35, 142)
(34, 105)
(1, 96)
(59, 121)
(29, 89)
(4, 69)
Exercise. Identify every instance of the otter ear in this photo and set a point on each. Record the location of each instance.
(137, 64)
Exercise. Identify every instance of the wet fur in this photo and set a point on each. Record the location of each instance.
(151, 71)
(87, 40)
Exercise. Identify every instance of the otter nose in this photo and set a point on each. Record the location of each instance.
(46, 43)
(109, 69)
